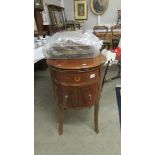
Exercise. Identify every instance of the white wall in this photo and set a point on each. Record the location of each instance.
(109, 17)
(55, 2)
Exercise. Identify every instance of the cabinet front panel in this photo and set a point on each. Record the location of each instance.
(67, 96)
(88, 95)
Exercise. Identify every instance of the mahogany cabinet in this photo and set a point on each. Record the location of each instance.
(77, 84)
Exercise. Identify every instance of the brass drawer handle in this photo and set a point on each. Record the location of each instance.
(77, 78)
(89, 96)
(66, 98)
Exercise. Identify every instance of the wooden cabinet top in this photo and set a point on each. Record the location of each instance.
(77, 63)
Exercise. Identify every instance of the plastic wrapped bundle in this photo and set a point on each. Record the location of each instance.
(72, 45)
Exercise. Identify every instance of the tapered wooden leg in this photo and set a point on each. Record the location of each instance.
(96, 109)
(61, 120)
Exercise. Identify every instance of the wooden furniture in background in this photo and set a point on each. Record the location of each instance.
(39, 20)
(111, 34)
(77, 84)
(119, 17)
(57, 19)
(73, 24)
(115, 36)
(102, 33)
(38, 8)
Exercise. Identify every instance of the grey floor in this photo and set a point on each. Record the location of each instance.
(79, 137)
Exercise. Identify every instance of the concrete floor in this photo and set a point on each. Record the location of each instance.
(78, 137)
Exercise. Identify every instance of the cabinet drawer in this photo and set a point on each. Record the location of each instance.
(78, 77)
(88, 95)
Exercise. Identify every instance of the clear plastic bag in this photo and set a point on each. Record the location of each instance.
(72, 45)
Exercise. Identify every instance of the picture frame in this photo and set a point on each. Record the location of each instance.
(80, 10)
(99, 7)
(58, 18)
(57, 23)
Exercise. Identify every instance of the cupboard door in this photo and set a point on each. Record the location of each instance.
(67, 96)
(89, 94)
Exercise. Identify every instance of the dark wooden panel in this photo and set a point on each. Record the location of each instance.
(39, 20)
(67, 96)
(57, 18)
(88, 95)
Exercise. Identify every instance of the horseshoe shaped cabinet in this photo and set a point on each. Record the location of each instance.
(77, 84)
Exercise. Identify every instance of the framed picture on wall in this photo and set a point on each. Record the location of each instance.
(58, 18)
(99, 7)
(80, 9)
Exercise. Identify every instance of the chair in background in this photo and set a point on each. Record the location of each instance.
(72, 25)
(116, 35)
(102, 33)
